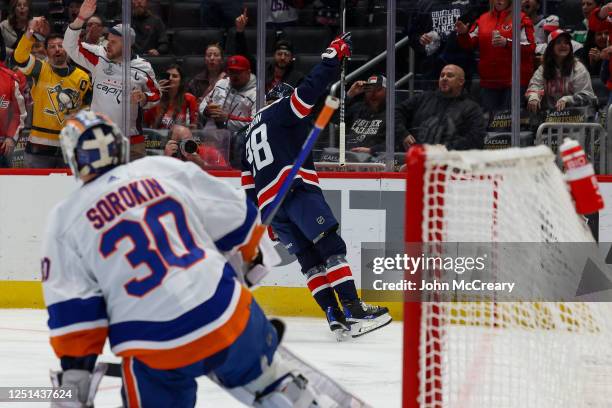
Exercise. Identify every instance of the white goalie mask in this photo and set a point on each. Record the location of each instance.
(93, 144)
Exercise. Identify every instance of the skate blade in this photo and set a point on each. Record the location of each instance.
(364, 327)
(342, 334)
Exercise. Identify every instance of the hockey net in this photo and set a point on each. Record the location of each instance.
(495, 354)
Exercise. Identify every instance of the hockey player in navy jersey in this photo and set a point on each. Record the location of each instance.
(304, 223)
(148, 254)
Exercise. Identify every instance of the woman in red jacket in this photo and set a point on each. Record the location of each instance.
(492, 34)
(176, 106)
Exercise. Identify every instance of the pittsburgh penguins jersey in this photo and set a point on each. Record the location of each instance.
(140, 255)
(56, 93)
(275, 137)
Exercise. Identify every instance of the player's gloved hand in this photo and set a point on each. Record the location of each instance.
(81, 382)
(339, 48)
(255, 271)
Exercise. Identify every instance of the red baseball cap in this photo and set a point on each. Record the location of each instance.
(238, 63)
(555, 34)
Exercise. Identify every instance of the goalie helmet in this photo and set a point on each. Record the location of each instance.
(93, 144)
(279, 91)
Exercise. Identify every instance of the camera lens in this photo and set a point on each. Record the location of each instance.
(188, 146)
(191, 146)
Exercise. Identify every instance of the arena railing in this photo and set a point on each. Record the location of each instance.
(592, 137)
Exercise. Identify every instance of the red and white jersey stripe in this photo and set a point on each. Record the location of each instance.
(266, 195)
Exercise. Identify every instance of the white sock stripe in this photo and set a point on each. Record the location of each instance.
(341, 280)
(336, 267)
(316, 275)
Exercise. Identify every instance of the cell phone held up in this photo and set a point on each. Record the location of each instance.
(163, 76)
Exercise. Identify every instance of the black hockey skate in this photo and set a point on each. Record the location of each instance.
(337, 322)
(364, 318)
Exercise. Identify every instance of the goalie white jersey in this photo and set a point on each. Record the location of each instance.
(125, 256)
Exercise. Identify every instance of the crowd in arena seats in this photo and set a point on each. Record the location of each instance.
(202, 54)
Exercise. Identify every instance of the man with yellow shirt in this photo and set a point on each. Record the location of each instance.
(57, 92)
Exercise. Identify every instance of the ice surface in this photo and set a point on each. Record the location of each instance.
(369, 366)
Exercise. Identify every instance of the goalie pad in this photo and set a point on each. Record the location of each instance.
(289, 382)
(84, 383)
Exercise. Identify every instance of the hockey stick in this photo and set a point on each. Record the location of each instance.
(342, 130)
(331, 104)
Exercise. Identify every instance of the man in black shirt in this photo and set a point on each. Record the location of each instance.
(366, 117)
(445, 116)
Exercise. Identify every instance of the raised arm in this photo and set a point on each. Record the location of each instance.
(85, 57)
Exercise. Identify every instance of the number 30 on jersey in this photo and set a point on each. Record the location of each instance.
(258, 151)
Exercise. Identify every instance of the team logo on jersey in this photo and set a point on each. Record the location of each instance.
(4, 103)
(320, 220)
(109, 69)
(63, 102)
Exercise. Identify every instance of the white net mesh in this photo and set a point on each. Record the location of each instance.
(527, 354)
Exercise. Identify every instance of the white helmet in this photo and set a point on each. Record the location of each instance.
(93, 144)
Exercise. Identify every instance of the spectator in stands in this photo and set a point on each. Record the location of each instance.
(432, 36)
(492, 35)
(151, 37)
(600, 20)
(561, 81)
(73, 9)
(591, 54)
(58, 91)
(204, 82)
(551, 23)
(60, 16)
(282, 68)
(207, 157)
(532, 9)
(13, 27)
(12, 113)
(231, 104)
(580, 34)
(176, 106)
(106, 68)
(94, 31)
(446, 116)
(366, 117)
(282, 13)
(219, 13)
